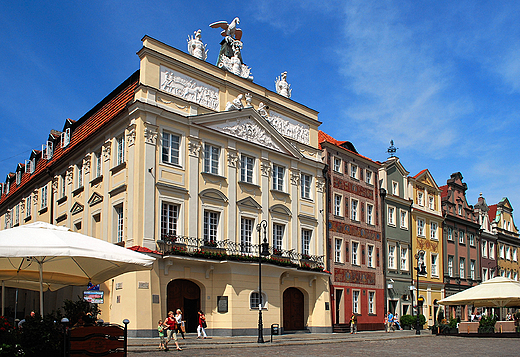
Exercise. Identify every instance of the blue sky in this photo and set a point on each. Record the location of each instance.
(440, 78)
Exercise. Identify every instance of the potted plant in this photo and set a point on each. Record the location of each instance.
(407, 321)
(487, 324)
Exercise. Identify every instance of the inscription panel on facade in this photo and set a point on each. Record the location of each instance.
(189, 88)
(352, 230)
(353, 188)
(354, 276)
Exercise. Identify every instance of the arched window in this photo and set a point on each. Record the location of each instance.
(254, 300)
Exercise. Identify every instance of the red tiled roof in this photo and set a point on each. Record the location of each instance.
(444, 190)
(138, 248)
(324, 137)
(420, 173)
(89, 126)
(492, 213)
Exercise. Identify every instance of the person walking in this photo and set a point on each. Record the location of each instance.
(171, 324)
(385, 322)
(353, 324)
(201, 332)
(180, 323)
(160, 329)
(390, 322)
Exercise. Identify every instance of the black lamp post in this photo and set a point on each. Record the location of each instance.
(262, 252)
(420, 270)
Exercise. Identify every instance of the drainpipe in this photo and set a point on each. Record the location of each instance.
(410, 260)
(382, 194)
(332, 300)
(51, 208)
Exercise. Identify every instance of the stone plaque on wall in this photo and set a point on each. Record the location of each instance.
(222, 304)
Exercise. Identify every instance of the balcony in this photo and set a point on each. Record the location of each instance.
(232, 251)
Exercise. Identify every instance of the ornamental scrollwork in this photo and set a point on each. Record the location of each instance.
(265, 167)
(107, 148)
(232, 158)
(295, 177)
(86, 166)
(150, 134)
(194, 147)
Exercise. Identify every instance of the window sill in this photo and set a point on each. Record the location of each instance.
(308, 199)
(121, 244)
(78, 191)
(43, 210)
(114, 170)
(210, 174)
(404, 228)
(280, 192)
(61, 200)
(171, 164)
(96, 180)
(28, 218)
(339, 217)
(245, 183)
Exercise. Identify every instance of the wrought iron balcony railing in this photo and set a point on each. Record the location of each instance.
(229, 250)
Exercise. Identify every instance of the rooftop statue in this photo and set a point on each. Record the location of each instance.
(196, 47)
(236, 104)
(282, 87)
(230, 57)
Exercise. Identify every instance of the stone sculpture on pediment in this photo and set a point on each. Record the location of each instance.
(262, 110)
(249, 99)
(289, 129)
(196, 47)
(282, 87)
(236, 104)
(249, 130)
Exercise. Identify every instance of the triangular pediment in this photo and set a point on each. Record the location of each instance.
(94, 199)
(249, 202)
(426, 179)
(76, 208)
(249, 126)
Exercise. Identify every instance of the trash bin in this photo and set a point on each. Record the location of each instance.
(275, 330)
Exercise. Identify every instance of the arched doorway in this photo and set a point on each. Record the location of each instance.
(185, 295)
(293, 310)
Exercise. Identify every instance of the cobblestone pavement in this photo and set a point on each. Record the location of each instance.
(372, 345)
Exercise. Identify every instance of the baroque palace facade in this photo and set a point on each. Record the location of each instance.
(174, 164)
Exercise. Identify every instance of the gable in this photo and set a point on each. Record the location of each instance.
(249, 203)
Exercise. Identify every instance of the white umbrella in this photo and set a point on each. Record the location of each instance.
(496, 292)
(44, 253)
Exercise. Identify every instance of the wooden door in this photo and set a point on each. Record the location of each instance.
(185, 295)
(293, 310)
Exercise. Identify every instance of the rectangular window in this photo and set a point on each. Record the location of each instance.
(169, 218)
(246, 233)
(391, 216)
(450, 266)
(431, 202)
(171, 148)
(433, 230)
(44, 197)
(370, 214)
(119, 223)
(471, 239)
(420, 228)
(355, 301)
(247, 164)
(368, 177)
(210, 226)
(472, 269)
(391, 257)
(17, 214)
(501, 251)
(404, 258)
(484, 249)
(120, 150)
(371, 302)
(491, 250)
(305, 181)
(434, 270)
(18, 177)
(355, 253)
(353, 171)
(450, 233)
(211, 159)
(370, 255)
(306, 241)
(461, 237)
(515, 257)
(462, 265)
(459, 209)
(337, 250)
(337, 205)
(395, 188)
(420, 200)
(404, 219)
(278, 231)
(79, 178)
(28, 206)
(65, 138)
(508, 253)
(278, 177)
(484, 274)
(63, 185)
(337, 164)
(97, 164)
(354, 210)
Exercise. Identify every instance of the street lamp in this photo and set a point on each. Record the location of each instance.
(420, 270)
(262, 251)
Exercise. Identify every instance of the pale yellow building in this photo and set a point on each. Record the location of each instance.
(427, 242)
(183, 161)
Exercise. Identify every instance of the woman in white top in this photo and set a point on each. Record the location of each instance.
(178, 318)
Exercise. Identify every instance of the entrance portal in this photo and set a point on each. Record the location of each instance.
(293, 310)
(185, 295)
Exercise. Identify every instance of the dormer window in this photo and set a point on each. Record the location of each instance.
(65, 138)
(18, 177)
(47, 150)
(28, 169)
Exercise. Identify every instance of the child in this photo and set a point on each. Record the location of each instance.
(160, 328)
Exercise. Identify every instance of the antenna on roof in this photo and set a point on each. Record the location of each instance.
(391, 149)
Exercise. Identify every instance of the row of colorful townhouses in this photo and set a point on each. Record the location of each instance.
(196, 165)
